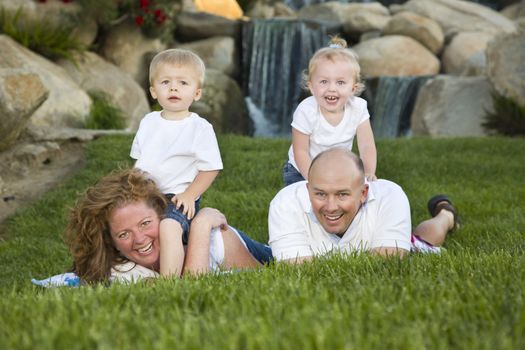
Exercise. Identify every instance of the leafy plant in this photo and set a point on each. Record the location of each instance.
(508, 117)
(42, 36)
(104, 115)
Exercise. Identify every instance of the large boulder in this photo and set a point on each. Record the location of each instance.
(460, 16)
(67, 105)
(361, 18)
(21, 93)
(193, 26)
(422, 29)
(222, 103)
(465, 49)
(224, 8)
(128, 48)
(505, 57)
(395, 55)
(355, 18)
(514, 11)
(329, 12)
(452, 106)
(217, 53)
(93, 73)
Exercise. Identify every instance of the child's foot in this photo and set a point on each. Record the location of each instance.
(442, 202)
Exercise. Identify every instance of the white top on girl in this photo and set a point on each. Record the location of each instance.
(309, 120)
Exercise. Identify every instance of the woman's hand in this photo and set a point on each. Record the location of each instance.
(212, 217)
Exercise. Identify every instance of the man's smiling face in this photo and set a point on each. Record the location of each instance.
(337, 190)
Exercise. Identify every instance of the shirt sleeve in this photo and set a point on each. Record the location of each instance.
(304, 117)
(207, 150)
(288, 237)
(361, 110)
(393, 228)
(135, 146)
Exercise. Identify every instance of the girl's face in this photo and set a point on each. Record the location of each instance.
(175, 87)
(134, 229)
(332, 84)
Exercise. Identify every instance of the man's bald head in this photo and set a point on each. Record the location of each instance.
(335, 158)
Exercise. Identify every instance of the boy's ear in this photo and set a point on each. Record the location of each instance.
(152, 92)
(198, 95)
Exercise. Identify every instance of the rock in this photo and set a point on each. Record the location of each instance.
(395, 55)
(452, 106)
(475, 65)
(217, 53)
(463, 46)
(225, 8)
(195, 26)
(422, 29)
(21, 93)
(514, 11)
(66, 105)
(282, 10)
(325, 12)
(505, 57)
(456, 16)
(261, 10)
(92, 72)
(127, 47)
(222, 104)
(354, 18)
(359, 18)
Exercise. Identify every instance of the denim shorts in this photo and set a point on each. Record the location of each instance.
(291, 174)
(261, 252)
(172, 213)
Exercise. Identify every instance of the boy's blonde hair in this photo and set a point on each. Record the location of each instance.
(337, 49)
(178, 57)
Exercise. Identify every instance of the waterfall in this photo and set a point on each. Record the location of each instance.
(390, 102)
(275, 53)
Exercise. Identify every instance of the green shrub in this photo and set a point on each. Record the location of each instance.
(41, 36)
(508, 117)
(104, 115)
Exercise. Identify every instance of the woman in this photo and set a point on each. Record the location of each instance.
(113, 233)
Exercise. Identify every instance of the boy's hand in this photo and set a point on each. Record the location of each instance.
(187, 202)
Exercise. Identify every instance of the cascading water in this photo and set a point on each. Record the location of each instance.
(275, 53)
(390, 102)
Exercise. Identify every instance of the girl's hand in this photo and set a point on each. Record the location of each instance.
(370, 177)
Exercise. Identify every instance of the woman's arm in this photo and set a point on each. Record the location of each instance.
(198, 250)
(367, 149)
(301, 151)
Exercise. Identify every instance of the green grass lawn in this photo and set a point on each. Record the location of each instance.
(470, 297)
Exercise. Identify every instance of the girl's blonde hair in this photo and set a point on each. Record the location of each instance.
(88, 233)
(337, 49)
(178, 57)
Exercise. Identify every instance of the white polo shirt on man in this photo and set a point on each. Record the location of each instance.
(382, 221)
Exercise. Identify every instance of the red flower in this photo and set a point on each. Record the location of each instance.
(144, 3)
(139, 20)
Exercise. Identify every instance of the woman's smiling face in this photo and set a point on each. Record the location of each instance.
(134, 229)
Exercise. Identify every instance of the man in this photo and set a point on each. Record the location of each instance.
(337, 210)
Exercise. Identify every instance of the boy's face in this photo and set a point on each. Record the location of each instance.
(175, 87)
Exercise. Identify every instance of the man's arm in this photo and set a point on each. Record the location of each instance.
(384, 251)
(288, 235)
